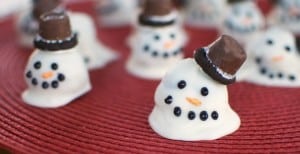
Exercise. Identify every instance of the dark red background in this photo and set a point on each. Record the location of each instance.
(112, 118)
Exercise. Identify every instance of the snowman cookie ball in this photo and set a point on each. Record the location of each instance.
(191, 102)
(114, 13)
(287, 15)
(204, 13)
(273, 60)
(157, 42)
(95, 54)
(243, 20)
(55, 72)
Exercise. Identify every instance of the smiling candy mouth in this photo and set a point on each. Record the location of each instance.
(44, 84)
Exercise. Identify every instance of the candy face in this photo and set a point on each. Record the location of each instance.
(243, 20)
(273, 59)
(154, 50)
(52, 80)
(204, 12)
(190, 106)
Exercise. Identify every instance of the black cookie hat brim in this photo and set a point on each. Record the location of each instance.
(209, 68)
(148, 22)
(54, 45)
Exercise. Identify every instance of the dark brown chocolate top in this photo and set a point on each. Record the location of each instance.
(42, 6)
(227, 54)
(55, 26)
(157, 7)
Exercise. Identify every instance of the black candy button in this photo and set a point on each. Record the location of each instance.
(203, 115)
(271, 76)
(146, 48)
(61, 77)
(215, 115)
(54, 84)
(154, 53)
(280, 75)
(258, 60)
(34, 81)
(45, 85)
(263, 71)
(191, 115)
(166, 55)
(292, 78)
(29, 74)
(177, 111)
(169, 100)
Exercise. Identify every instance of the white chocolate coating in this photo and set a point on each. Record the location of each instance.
(51, 88)
(95, 54)
(273, 60)
(243, 21)
(155, 50)
(115, 13)
(204, 13)
(287, 15)
(180, 127)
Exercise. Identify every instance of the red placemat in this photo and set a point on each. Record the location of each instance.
(112, 118)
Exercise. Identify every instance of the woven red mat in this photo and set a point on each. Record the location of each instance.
(112, 118)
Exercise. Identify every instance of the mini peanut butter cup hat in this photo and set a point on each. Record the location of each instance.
(55, 32)
(222, 59)
(42, 6)
(158, 13)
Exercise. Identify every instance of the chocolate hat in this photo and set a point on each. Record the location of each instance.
(42, 6)
(221, 59)
(157, 13)
(55, 32)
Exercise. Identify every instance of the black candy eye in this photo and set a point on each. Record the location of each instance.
(181, 84)
(204, 91)
(287, 48)
(146, 48)
(37, 65)
(172, 35)
(54, 66)
(156, 37)
(269, 42)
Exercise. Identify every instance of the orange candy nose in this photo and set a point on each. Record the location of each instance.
(193, 101)
(47, 75)
(246, 21)
(168, 45)
(277, 58)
